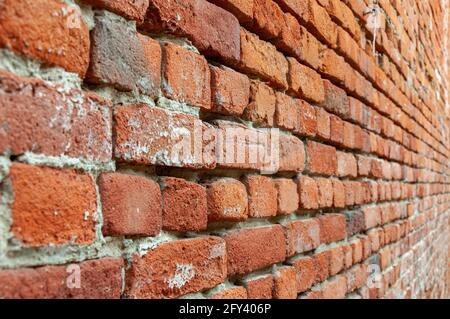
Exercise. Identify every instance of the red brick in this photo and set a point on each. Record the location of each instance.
(285, 285)
(260, 288)
(333, 67)
(130, 9)
(262, 196)
(186, 76)
(52, 206)
(348, 255)
(336, 288)
(339, 195)
(193, 19)
(308, 119)
(332, 228)
(242, 9)
(46, 119)
(305, 82)
(346, 165)
(131, 205)
(252, 249)
(227, 200)
(262, 59)
(321, 265)
(287, 112)
(349, 193)
(372, 217)
(230, 91)
(323, 124)
(136, 127)
(230, 293)
(25, 29)
(288, 200)
(302, 236)
(306, 273)
(325, 187)
(268, 19)
(177, 268)
(99, 279)
(321, 158)
(357, 250)
(336, 100)
(364, 164)
(184, 205)
(356, 277)
(128, 61)
(309, 193)
(355, 222)
(337, 130)
(291, 154)
(261, 108)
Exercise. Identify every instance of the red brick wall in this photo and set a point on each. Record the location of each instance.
(224, 149)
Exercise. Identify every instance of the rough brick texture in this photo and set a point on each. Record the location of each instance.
(218, 149)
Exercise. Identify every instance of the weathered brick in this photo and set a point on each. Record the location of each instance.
(302, 236)
(291, 154)
(230, 91)
(48, 119)
(336, 100)
(214, 31)
(131, 205)
(321, 158)
(305, 82)
(186, 76)
(323, 124)
(260, 287)
(262, 196)
(99, 279)
(52, 206)
(227, 200)
(184, 205)
(332, 228)
(308, 193)
(177, 268)
(325, 187)
(123, 58)
(339, 195)
(346, 165)
(25, 25)
(261, 108)
(262, 59)
(181, 140)
(268, 19)
(306, 273)
(255, 248)
(285, 285)
(336, 260)
(287, 195)
(242, 9)
(130, 9)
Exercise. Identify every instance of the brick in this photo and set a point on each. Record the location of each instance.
(177, 268)
(336, 260)
(231, 293)
(52, 206)
(123, 58)
(184, 205)
(321, 158)
(332, 228)
(256, 248)
(242, 9)
(47, 119)
(364, 164)
(346, 165)
(287, 112)
(261, 108)
(291, 154)
(305, 82)
(336, 288)
(333, 67)
(356, 278)
(99, 279)
(262, 59)
(325, 187)
(339, 194)
(230, 91)
(357, 248)
(355, 222)
(337, 130)
(348, 255)
(308, 193)
(193, 19)
(323, 124)
(24, 29)
(186, 76)
(287, 195)
(268, 19)
(302, 236)
(306, 273)
(285, 285)
(260, 288)
(135, 128)
(227, 200)
(372, 217)
(336, 100)
(131, 205)
(262, 196)
(130, 9)
(321, 265)
(308, 119)
(349, 193)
